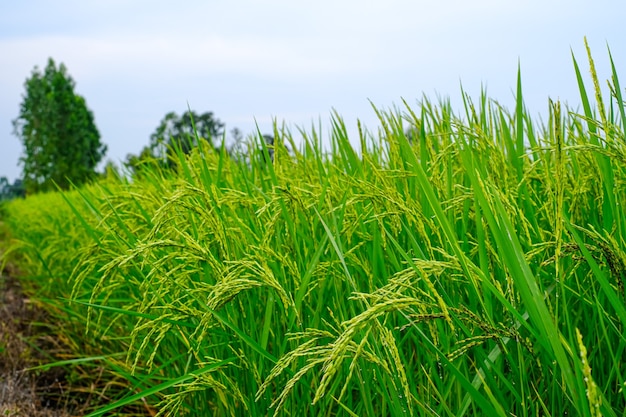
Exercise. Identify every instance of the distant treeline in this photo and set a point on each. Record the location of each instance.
(10, 191)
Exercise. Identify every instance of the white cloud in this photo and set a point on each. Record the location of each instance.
(170, 56)
(133, 61)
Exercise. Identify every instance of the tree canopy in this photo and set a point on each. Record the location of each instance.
(184, 132)
(61, 142)
(9, 191)
(178, 133)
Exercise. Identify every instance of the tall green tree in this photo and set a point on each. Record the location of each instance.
(61, 142)
(184, 132)
(175, 133)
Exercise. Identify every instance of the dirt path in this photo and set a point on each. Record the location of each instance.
(28, 340)
(25, 393)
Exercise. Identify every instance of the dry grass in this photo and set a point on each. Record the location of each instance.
(24, 393)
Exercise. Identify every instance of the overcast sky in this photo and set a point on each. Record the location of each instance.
(251, 61)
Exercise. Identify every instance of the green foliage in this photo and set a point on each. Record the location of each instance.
(61, 142)
(10, 191)
(177, 134)
(185, 131)
(139, 164)
(455, 265)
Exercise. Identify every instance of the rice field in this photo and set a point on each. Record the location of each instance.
(448, 264)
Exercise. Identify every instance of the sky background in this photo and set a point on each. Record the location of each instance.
(250, 62)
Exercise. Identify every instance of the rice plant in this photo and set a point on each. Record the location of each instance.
(456, 265)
